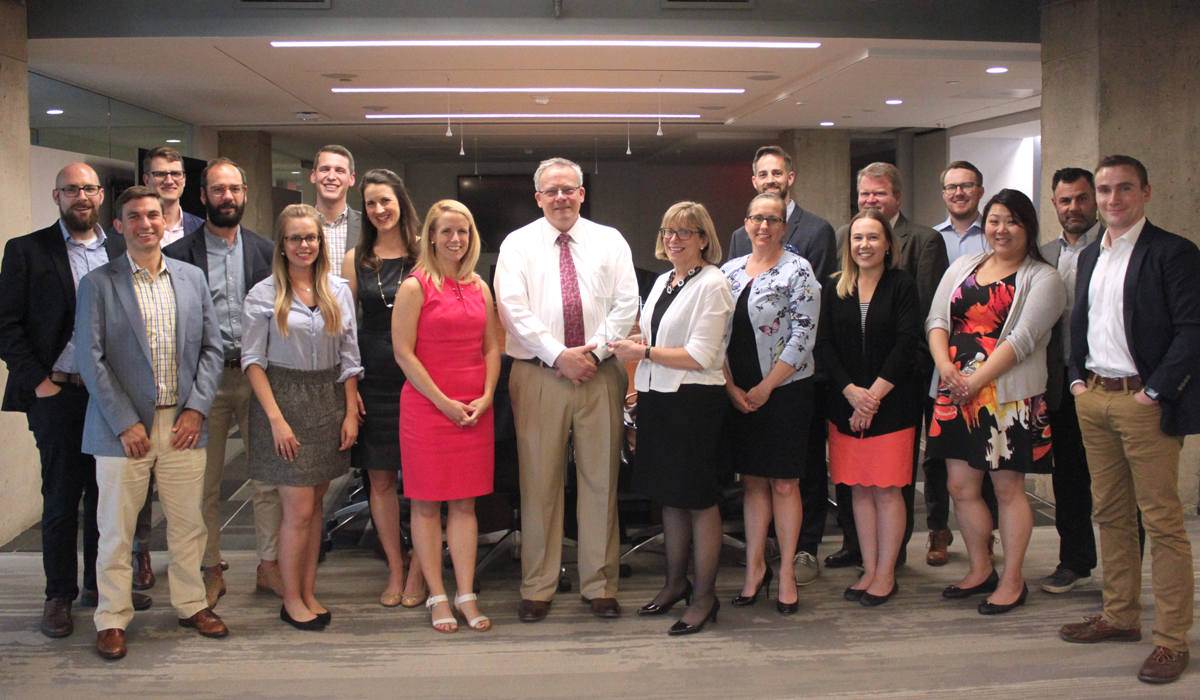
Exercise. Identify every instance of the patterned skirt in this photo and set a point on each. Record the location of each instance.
(314, 405)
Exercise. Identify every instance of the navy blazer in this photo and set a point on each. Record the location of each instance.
(114, 358)
(1162, 321)
(37, 309)
(809, 234)
(256, 254)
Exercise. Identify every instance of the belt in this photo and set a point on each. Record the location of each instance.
(235, 363)
(1130, 383)
(64, 378)
(537, 361)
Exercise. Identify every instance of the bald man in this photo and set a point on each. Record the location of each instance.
(38, 278)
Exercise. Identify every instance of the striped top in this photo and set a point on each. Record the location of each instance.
(156, 298)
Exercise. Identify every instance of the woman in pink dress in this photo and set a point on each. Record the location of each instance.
(443, 332)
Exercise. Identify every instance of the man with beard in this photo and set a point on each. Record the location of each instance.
(812, 238)
(962, 190)
(333, 176)
(38, 279)
(233, 259)
(162, 171)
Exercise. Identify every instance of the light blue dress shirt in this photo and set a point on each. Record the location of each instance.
(227, 284)
(83, 259)
(306, 346)
(970, 243)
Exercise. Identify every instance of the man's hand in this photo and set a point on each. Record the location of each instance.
(1143, 399)
(187, 429)
(1078, 388)
(46, 389)
(576, 364)
(135, 441)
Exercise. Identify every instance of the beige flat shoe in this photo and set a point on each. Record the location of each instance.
(413, 601)
(390, 600)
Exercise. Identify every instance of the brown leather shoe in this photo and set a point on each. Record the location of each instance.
(206, 623)
(532, 610)
(603, 607)
(143, 575)
(214, 585)
(110, 644)
(270, 581)
(56, 618)
(1163, 666)
(1096, 629)
(90, 599)
(939, 540)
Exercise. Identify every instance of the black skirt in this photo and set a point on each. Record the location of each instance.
(678, 460)
(772, 442)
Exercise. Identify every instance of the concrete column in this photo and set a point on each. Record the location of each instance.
(1119, 76)
(20, 480)
(823, 180)
(252, 151)
(904, 163)
(931, 154)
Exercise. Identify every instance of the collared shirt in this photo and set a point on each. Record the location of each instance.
(156, 298)
(971, 242)
(227, 284)
(83, 257)
(306, 346)
(172, 233)
(529, 291)
(335, 237)
(791, 207)
(1068, 263)
(1108, 347)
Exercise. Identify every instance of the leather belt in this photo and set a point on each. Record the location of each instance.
(64, 378)
(235, 363)
(1130, 383)
(536, 361)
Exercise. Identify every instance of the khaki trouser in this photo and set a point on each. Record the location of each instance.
(123, 482)
(546, 409)
(1135, 465)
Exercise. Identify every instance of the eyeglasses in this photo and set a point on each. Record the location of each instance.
(758, 219)
(564, 191)
(682, 234)
(74, 190)
(161, 175)
(966, 187)
(310, 239)
(220, 190)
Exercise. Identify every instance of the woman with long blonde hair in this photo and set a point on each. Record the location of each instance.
(300, 355)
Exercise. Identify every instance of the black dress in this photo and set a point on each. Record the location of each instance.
(378, 445)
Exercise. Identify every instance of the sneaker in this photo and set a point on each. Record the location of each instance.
(1063, 580)
(806, 567)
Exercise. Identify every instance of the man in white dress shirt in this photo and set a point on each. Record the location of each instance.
(566, 287)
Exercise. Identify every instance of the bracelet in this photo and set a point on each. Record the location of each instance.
(647, 352)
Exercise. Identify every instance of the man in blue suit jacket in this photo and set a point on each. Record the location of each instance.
(1135, 346)
(149, 351)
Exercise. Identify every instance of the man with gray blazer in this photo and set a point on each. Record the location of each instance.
(333, 176)
(149, 352)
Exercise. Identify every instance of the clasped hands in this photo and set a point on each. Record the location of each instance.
(465, 415)
(865, 404)
(962, 388)
(747, 401)
(185, 434)
(576, 363)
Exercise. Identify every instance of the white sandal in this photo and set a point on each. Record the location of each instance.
(479, 624)
(430, 603)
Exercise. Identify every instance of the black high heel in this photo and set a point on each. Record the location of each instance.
(313, 625)
(652, 609)
(764, 582)
(682, 627)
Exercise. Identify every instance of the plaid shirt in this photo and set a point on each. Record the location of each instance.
(335, 239)
(156, 298)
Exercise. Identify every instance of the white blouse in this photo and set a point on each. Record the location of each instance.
(697, 321)
(306, 346)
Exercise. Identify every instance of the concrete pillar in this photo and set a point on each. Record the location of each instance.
(1119, 76)
(931, 154)
(904, 163)
(252, 151)
(821, 158)
(20, 479)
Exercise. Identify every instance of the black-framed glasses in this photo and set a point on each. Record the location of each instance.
(966, 187)
(758, 219)
(554, 192)
(74, 190)
(161, 175)
(220, 190)
(311, 239)
(682, 234)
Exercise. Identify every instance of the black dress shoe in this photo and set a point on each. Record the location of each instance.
(681, 627)
(843, 558)
(854, 594)
(988, 586)
(313, 625)
(871, 601)
(986, 608)
(764, 582)
(652, 609)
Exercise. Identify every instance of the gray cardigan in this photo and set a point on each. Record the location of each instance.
(1037, 304)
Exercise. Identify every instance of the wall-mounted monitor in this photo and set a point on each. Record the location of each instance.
(501, 204)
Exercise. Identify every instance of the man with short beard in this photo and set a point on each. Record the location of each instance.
(233, 259)
(38, 279)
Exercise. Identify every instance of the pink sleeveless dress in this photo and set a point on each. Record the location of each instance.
(442, 461)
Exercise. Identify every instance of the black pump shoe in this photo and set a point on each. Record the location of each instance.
(682, 627)
(988, 586)
(871, 601)
(986, 608)
(764, 582)
(652, 609)
(313, 625)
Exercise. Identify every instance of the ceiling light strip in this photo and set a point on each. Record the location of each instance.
(677, 91)
(553, 43)
(532, 116)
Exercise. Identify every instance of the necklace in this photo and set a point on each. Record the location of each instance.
(386, 303)
(673, 286)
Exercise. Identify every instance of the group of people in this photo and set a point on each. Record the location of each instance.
(808, 354)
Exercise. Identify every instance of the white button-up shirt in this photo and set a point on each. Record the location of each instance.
(1108, 349)
(529, 291)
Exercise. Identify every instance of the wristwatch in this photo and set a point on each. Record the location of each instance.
(1150, 393)
(647, 352)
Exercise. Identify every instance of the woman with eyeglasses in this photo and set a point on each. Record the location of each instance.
(768, 377)
(385, 255)
(300, 355)
(681, 405)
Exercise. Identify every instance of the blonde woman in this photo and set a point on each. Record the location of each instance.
(443, 332)
(300, 355)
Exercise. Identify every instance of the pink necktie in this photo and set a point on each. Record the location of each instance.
(572, 305)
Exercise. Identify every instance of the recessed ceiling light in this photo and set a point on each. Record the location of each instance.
(799, 103)
(894, 102)
(172, 140)
(826, 123)
(533, 116)
(640, 43)
(997, 69)
(952, 82)
(539, 90)
(54, 111)
(295, 172)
